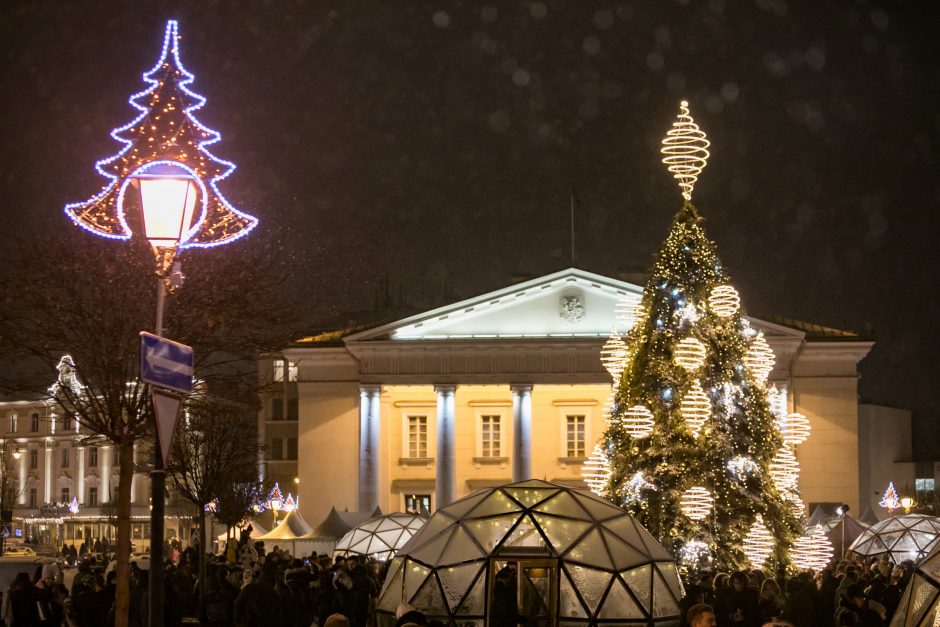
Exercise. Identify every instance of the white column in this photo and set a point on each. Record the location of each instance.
(446, 476)
(80, 483)
(369, 450)
(47, 480)
(521, 432)
(133, 479)
(104, 477)
(21, 499)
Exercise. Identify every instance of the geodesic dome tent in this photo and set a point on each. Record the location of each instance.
(579, 559)
(380, 537)
(920, 605)
(908, 537)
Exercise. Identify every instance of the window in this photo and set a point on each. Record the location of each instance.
(277, 448)
(416, 503)
(926, 484)
(13, 422)
(93, 456)
(65, 495)
(93, 497)
(292, 409)
(67, 421)
(417, 436)
(33, 459)
(280, 365)
(574, 435)
(34, 422)
(32, 497)
(291, 448)
(277, 409)
(65, 457)
(489, 436)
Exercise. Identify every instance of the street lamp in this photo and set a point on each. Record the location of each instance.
(908, 504)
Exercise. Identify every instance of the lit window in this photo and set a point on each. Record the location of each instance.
(574, 435)
(280, 367)
(489, 436)
(417, 436)
(926, 484)
(416, 503)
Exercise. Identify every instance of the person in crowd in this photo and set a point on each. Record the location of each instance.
(771, 602)
(17, 604)
(258, 604)
(800, 605)
(218, 609)
(853, 610)
(701, 615)
(504, 609)
(362, 592)
(336, 620)
(90, 604)
(738, 606)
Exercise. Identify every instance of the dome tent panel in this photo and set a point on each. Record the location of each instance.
(596, 507)
(561, 532)
(670, 575)
(631, 532)
(572, 603)
(430, 552)
(462, 507)
(474, 602)
(591, 583)
(456, 580)
(663, 602)
(563, 504)
(429, 595)
(624, 555)
(415, 576)
(496, 503)
(462, 547)
(529, 497)
(923, 595)
(392, 592)
(619, 603)
(590, 550)
(524, 534)
(640, 581)
(489, 532)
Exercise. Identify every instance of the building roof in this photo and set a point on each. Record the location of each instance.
(815, 331)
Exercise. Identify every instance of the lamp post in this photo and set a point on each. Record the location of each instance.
(167, 199)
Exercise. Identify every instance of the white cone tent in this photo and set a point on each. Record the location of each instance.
(380, 537)
(908, 537)
(290, 530)
(579, 558)
(920, 605)
(256, 532)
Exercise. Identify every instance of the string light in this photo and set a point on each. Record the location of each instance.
(637, 422)
(890, 500)
(639, 314)
(812, 550)
(695, 554)
(724, 301)
(758, 544)
(784, 469)
(741, 467)
(760, 358)
(797, 429)
(614, 355)
(686, 150)
(596, 471)
(633, 488)
(695, 408)
(696, 503)
(165, 133)
(689, 354)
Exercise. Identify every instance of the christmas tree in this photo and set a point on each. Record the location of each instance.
(165, 137)
(890, 500)
(695, 449)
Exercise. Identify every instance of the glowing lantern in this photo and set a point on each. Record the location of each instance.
(812, 550)
(760, 358)
(695, 408)
(686, 150)
(689, 354)
(796, 429)
(696, 503)
(758, 544)
(724, 301)
(614, 354)
(784, 469)
(638, 422)
(596, 471)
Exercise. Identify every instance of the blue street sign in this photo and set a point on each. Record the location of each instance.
(165, 363)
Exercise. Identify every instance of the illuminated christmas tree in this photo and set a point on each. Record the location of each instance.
(890, 500)
(699, 370)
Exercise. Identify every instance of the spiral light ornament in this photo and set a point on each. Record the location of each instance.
(796, 503)
(696, 503)
(685, 150)
(638, 422)
(689, 354)
(784, 469)
(812, 550)
(626, 310)
(610, 407)
(614, 354)
(724, 300)
(695, 408)
(758, 543)
(778, 408)
(796, 429)
(596, 471)
(760, 358)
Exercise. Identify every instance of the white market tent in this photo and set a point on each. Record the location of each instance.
(579, 560)
(380, 537)
(908, 537)
(256, 532)
(290, 530)
(920, 605)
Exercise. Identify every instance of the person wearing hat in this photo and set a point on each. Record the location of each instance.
(46, 599)
(854, 610)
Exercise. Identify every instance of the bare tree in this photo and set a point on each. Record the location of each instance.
(216, 447)
(237, 502)
(68, 292)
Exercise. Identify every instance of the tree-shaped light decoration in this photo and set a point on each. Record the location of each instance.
(696, 503)
(685, 150)
(724, 301)
(613, 355)
(275, 499)
(73, 506)
(637, 421)
(890, 500)
(289, 503)
(785, 469)
(596, 471)
(689, 354)
(758, 544)
(797, 429)
(812, 550)
(696, 408)
(760, 358)
(166, 134)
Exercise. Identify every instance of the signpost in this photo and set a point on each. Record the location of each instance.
(165, 363)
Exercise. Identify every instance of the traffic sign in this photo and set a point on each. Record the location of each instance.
(6, 531)
(165, 363)
(166, 407)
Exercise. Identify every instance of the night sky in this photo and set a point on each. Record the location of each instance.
(432, 146)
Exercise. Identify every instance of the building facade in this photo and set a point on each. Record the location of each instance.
(503, 387)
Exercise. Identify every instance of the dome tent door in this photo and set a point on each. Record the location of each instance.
(522, 590)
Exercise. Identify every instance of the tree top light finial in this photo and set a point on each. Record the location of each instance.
(165, 136)
(685, 150)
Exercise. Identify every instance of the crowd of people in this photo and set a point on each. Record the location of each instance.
(849, 593)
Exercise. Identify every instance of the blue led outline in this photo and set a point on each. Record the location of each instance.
(171, 44)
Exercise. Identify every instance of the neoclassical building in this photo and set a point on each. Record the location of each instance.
(502, 387)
